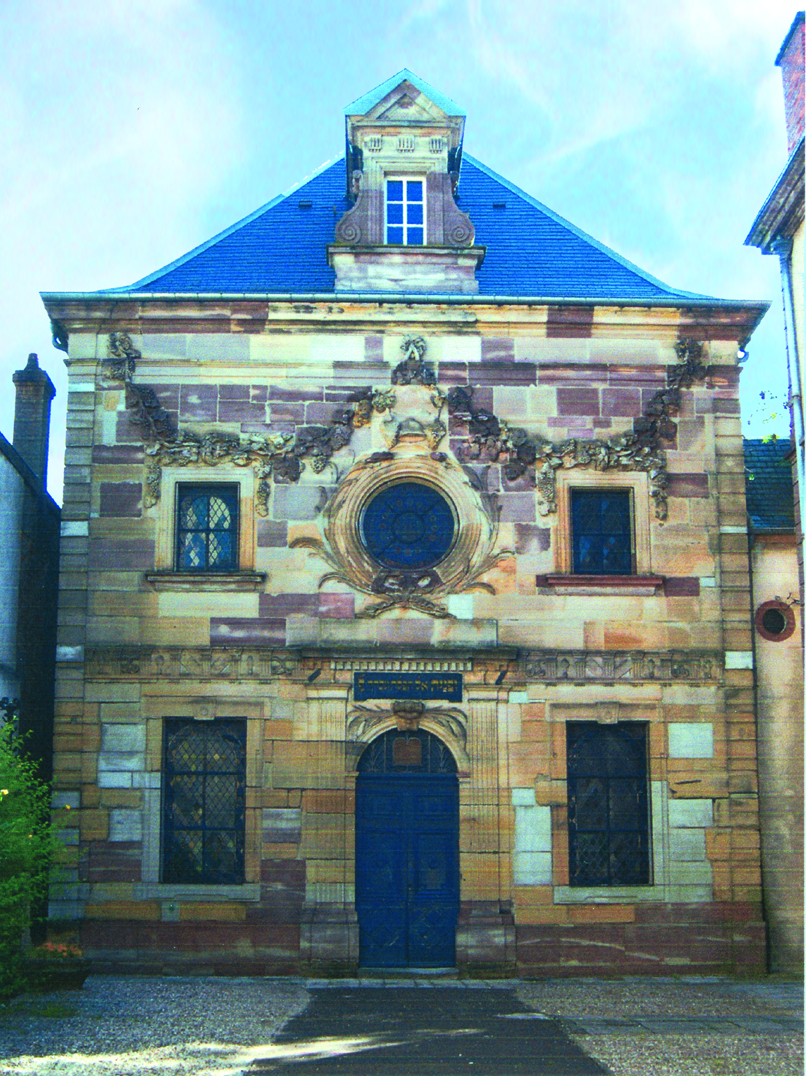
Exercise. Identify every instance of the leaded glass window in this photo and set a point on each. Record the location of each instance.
(204, 782)
(408, 526)
(405, 211)
(608, 806)
(601, 532)
(207, 528)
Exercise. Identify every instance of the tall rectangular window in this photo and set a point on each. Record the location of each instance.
(608, 805)
(204, 796)
(206, 528)
(601, 532)
(405, 211)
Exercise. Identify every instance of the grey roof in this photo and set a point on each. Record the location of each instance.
(768, 484)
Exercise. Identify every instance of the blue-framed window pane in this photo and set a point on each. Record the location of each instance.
(415, 213)
(204, 800)
(601, 532)
(405, 212)
(206, 528)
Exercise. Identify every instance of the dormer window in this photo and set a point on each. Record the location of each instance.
(405, 211)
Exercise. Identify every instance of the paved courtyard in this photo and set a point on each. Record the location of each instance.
(427, 1026)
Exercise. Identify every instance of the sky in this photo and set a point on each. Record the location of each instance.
(133, 130)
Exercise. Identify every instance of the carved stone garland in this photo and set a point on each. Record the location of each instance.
(637, 450)
(424, 590)
(275, 455)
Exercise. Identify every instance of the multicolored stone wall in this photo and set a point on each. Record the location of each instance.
(512, 421)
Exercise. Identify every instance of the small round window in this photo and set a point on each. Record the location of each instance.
(408, 526)
(775, 621)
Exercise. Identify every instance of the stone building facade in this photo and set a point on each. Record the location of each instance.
(405, 598)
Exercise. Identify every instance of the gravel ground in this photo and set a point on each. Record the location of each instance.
(145, 1026)
(697, 1055)
(215, 1027)
(648, 997)
(646, 1054)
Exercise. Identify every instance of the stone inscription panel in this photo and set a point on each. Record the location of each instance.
(394, 685)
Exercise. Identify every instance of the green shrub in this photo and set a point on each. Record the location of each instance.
(26, 847)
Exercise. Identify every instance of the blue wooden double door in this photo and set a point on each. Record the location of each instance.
(407, 853)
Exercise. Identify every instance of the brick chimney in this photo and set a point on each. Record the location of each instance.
(32, 415)
(790, 60)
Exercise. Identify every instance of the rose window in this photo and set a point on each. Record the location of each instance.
(408, 526)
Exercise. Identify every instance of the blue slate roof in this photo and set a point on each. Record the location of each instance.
(531, 251)
(768, 485)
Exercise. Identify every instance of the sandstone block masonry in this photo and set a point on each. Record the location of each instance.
(306, 413)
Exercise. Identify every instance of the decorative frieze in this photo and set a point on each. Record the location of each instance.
(387, 664)
(254, 663)
(196, 663)
(622, 665)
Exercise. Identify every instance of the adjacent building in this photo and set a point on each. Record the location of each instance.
(777, 622)
(29, 567)
(778, 229)
(406, 608)
(777, 550)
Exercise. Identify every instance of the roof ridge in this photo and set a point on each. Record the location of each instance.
(200, 249)
(583, 235)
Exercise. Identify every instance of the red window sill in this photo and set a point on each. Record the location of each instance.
(628, 585)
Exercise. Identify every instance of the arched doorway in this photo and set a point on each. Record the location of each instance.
(407, 852)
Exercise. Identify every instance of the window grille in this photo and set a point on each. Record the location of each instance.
(608, 806)
(207, 528)
(204, 801)
(601, 532)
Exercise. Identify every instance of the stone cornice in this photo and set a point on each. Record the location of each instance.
(141, 313)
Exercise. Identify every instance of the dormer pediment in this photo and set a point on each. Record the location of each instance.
(405, 231)
(406, 110)
(404, 101)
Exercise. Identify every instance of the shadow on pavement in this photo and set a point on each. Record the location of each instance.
(434, 1032)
